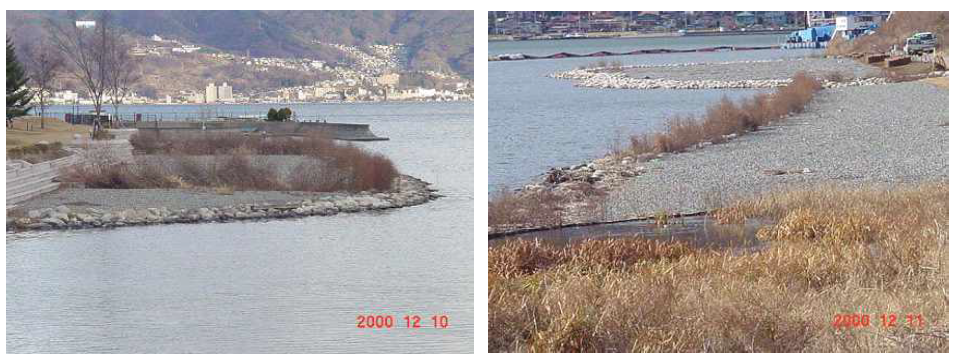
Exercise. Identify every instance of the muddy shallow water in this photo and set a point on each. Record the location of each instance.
(697, 231)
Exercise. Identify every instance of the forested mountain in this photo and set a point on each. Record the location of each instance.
(435, 40)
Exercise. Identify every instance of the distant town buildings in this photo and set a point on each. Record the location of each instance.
(216, 94)
(389, 79)
(571, 23)
(65, 97)
(367, 73)
(186, 48)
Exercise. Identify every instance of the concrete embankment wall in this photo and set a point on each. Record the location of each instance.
(340, 131)
(26, 181)
(630, 53)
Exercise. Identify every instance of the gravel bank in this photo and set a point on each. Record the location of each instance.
(885, 134)
(85, 208)
(118, 199)
(756, 70)
(722, 75)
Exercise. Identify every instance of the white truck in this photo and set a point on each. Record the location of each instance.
(920, 43)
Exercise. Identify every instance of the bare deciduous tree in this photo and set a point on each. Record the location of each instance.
(87, 50)
(122, 68)
(45, 64)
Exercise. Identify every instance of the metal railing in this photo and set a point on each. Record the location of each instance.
(167, 116)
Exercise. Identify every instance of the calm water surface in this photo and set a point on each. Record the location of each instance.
(280, 286)
(536, 122)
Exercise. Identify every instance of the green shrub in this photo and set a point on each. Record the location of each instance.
(279, 115)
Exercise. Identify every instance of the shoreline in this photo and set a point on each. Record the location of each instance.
(643, 186)
(411, 192)
(748, 74)
(636, 34)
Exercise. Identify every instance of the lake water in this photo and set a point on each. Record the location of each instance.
(279, 286)
(536, 122)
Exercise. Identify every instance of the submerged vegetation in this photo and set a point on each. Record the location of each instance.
(832, 251)
(238, 162)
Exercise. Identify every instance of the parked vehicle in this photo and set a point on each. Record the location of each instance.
(920, 43)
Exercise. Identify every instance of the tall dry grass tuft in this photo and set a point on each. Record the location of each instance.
(833, 251)
(535, 209)
(37, 153)
(524, 257)
(223, 143)
(728, 118)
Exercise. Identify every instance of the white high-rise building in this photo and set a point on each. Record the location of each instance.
(211, 93)
(225, 93)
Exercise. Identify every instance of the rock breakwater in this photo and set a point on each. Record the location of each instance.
(618, 80)
(409, 192)
(752, 74)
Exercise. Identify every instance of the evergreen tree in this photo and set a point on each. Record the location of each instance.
(18, 97)
(284, 114)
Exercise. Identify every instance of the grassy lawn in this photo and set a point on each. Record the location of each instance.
(55, 131)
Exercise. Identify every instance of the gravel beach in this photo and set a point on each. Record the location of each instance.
(755, 70)
(118, 199)
(724, 75)
(883, 134)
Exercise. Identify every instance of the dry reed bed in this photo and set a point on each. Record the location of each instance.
(38, 153)
(545, 208)
(727, 118)
(535, 209)
(328, 166)
(834, 251)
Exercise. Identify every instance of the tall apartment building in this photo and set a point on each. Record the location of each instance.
(225, 93)
(211, 93)
(221, 93)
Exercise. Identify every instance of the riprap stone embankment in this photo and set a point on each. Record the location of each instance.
(757, 74)
(92, 208)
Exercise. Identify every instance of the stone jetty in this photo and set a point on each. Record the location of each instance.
(409, 192)
(617, 80)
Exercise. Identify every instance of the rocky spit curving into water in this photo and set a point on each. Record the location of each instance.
(873, 135)
(74, 213)
(760, 74)
(868, 135)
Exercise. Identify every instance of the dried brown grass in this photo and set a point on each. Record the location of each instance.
(37, 153)
(238, 164)
(536, 209)
(727, 118)
(890, 255)
(215, 143)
